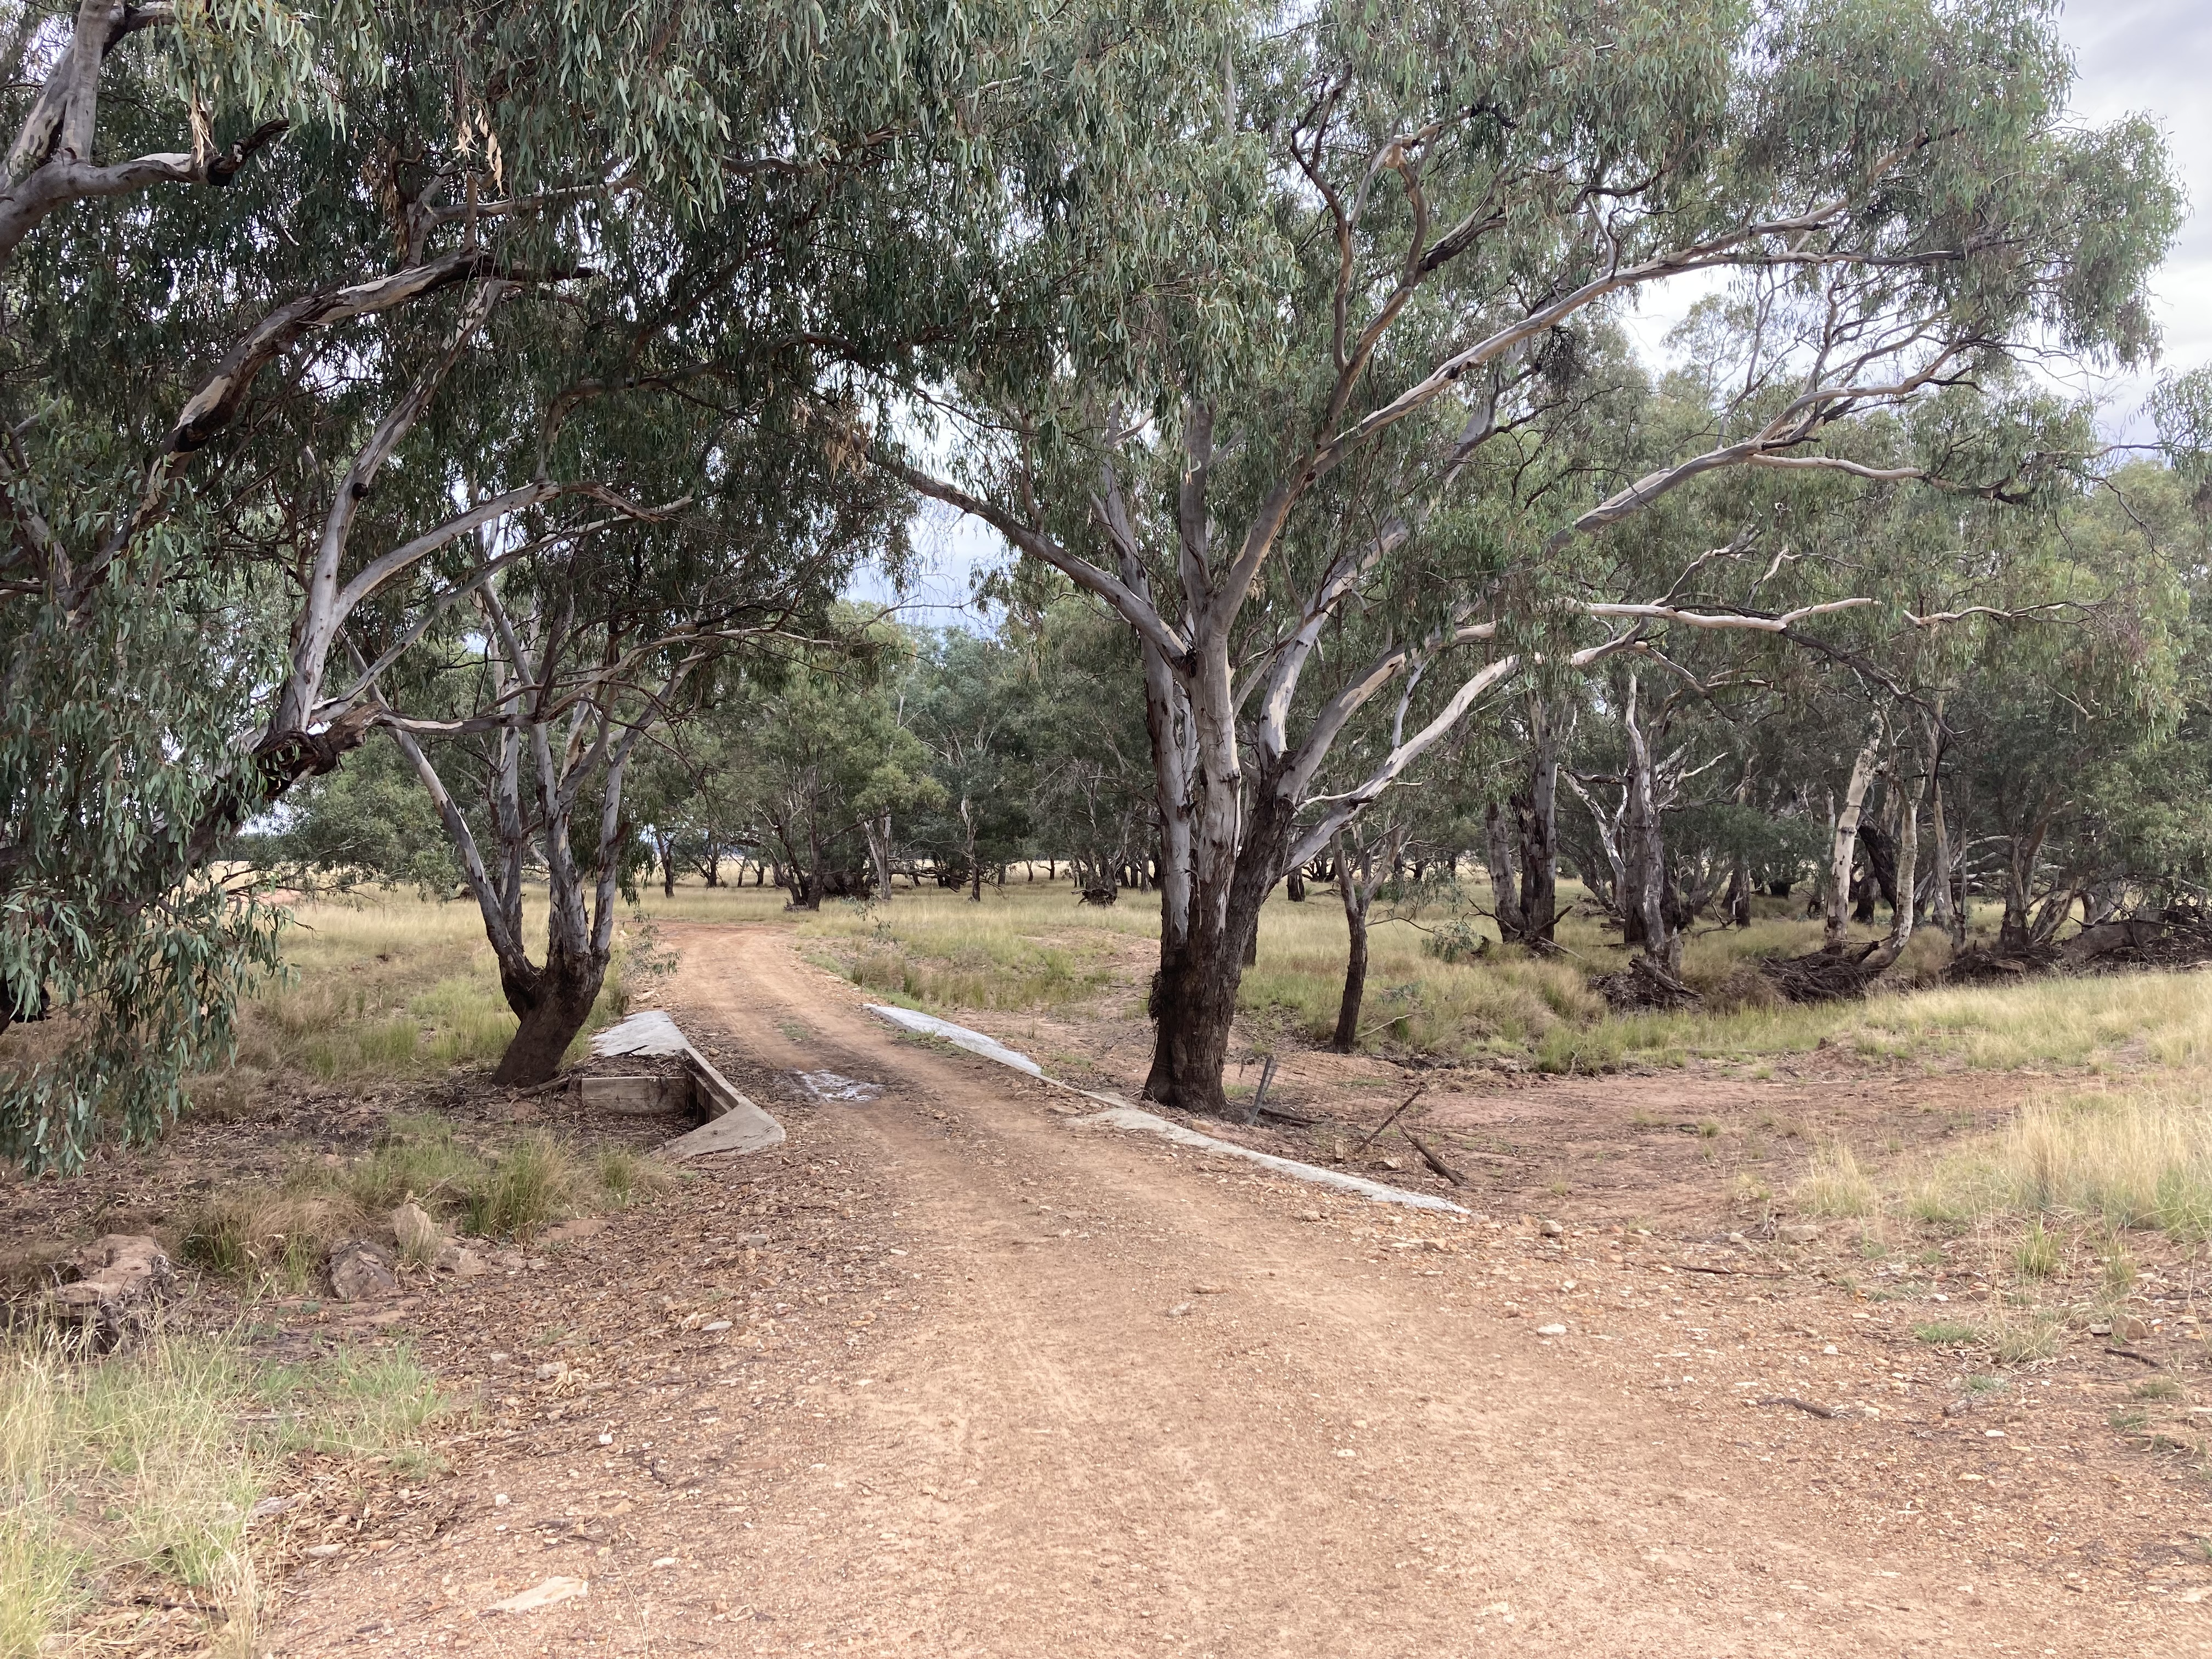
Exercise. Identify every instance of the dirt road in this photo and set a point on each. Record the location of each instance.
(1085, 1398)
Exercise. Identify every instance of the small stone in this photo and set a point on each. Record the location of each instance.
(1798, 1232)
(2100, 1330)
(1550, 1228)
(362, 1270)
(606, 1440)
(1829, 1348)
(1179, 1310)
(716, 1325)
(664, 1561)
(1737, 1238)
(551, 1370)
(1551, 1330)
(417, 1236)
(500, 1500)
(1310, 1215)
(323, 1552)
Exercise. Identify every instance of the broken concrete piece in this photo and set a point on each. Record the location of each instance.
(635, 1096)
(362, 1270)
(117, 1282)
(831, 1085)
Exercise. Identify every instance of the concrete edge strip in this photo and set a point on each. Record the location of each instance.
(1120, 1114)
(740, 1127)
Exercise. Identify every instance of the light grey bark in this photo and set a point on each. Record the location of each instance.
(1844, 846)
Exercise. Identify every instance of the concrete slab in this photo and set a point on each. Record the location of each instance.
(959, 1035)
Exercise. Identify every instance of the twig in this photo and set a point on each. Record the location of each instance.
(1260, 1094)
(1802, 1405)
(2140, 1359)
(1430, 1157)
(561, 1082)
(1390, 1120)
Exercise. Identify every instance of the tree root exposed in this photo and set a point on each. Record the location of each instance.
(1824, 976)
(1643, 985)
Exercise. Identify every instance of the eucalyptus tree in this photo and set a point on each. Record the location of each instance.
(1306, 341)
(334, 397)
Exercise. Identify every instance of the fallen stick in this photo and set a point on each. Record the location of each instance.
(1430, 1157)
(1802, 1405)
(2140, 1359)
(1389, 1120)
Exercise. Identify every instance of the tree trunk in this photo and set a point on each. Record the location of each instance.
(1844, 851)
(1538, 815)
(1644, 855)
(1202, 955)
(2023, 853)
(1355, 963)
(554, 1002)
(879, 833)
(1499, 850)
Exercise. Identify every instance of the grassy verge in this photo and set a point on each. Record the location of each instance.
(1030, 947)
(144, 1470)
(1020, 951)
(277, 1236)
(382, 986)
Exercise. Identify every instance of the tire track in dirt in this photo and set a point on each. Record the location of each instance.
(1141, 1407)
(1143, 1481)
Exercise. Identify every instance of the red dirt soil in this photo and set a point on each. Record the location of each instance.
(994, 1384)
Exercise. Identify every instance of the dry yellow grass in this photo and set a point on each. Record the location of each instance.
(147, 1466)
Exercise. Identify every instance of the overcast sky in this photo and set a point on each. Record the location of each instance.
(2152, 56)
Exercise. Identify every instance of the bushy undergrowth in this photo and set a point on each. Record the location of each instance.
(146, 1467)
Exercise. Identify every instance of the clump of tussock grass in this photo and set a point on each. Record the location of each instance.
(150, 1463)
(626, 1176)
(254, 1234)
(536, 1181)
(2131, 1158)
(281, 1236)
(1834, 1184)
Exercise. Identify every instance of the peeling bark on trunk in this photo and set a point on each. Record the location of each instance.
(1643, 852)
(1537, 814)
(1843, 849)
(1499, 847)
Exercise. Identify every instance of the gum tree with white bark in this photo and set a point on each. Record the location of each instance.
(1304, 349)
